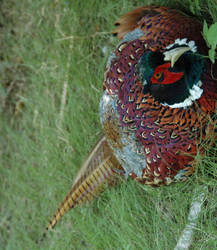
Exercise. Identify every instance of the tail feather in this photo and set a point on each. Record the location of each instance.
(96, 172)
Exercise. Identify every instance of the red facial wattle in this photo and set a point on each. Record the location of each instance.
(162, 75)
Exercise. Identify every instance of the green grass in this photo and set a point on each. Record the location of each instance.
(51, 73)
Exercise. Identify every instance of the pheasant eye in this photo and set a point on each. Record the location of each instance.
(157, 75)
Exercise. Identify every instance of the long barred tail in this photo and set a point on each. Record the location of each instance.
(96, 172)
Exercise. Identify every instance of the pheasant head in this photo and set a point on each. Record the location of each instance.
(172, 76)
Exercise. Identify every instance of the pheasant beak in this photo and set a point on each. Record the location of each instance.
(174, 54)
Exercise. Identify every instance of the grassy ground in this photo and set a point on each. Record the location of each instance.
(51, 72)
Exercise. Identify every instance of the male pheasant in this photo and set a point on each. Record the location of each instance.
(158, 105)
